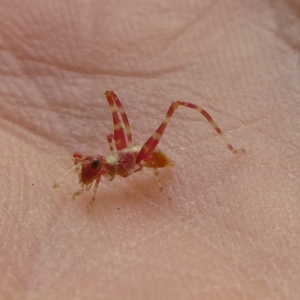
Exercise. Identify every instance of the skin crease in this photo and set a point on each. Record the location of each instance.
(226, 226)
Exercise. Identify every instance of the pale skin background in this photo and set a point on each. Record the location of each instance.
(227, 226)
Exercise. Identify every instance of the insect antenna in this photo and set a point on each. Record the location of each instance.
(56, 184)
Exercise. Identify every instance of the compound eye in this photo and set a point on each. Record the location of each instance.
(95, 163)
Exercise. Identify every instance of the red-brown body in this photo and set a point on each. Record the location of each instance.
(121, 163)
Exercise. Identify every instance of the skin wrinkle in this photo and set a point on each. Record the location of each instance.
(181, 32)
(107, 72)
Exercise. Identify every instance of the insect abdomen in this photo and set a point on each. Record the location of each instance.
(161, 159)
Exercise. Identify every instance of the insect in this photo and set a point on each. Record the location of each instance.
(126, 158)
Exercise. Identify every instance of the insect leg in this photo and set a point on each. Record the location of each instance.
(152, 142)
(124, 118)
(89, 207)
(142, 163)
(110, 143)
(156, 172)
(119, 134)
(78, 192)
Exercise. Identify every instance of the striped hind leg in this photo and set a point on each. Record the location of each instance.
(117, 109)
(152, 142)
